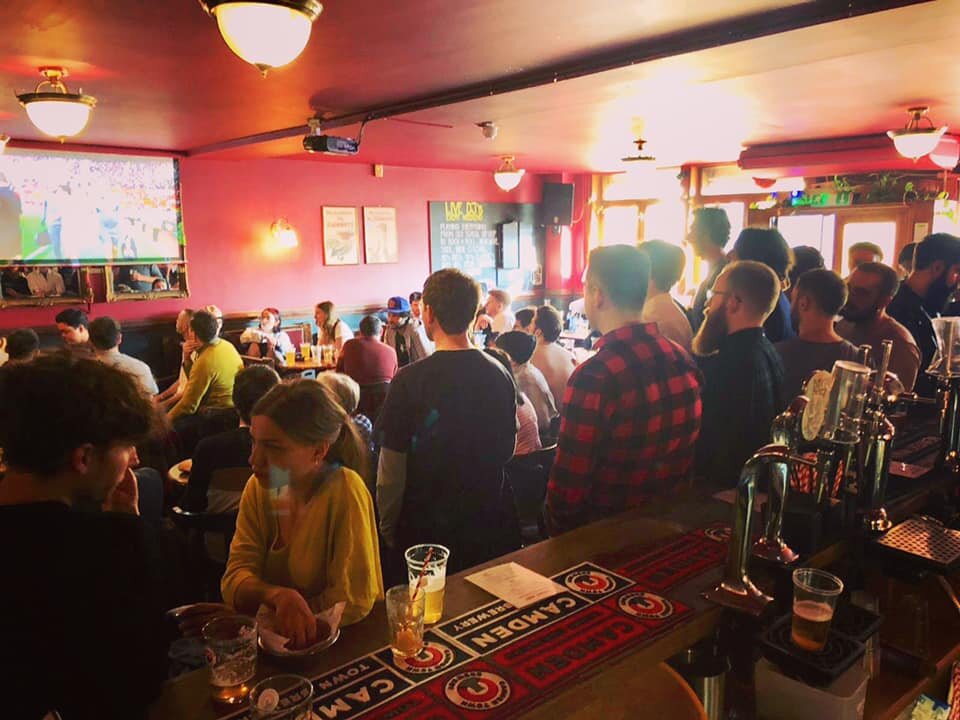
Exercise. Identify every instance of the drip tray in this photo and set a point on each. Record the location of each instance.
(925, 543)
(820, 669)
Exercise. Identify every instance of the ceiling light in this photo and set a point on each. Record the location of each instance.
(4, 139)
(507, 176)
(914, 141)
(265, 33)
(947, 153)
(56, 111)
(489, 129)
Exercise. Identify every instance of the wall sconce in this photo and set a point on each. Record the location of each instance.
(284, 235)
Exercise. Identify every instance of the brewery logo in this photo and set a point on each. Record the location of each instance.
(590, 582)
(646, 606)
(477, 690)
(432, 658)
(718, 534)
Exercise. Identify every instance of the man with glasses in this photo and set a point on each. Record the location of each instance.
(871, 287)
(743, 373)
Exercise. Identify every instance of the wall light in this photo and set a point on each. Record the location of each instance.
(915, 141)
(284, 235)
(507, 175)
(4, 139)
(56, 111)
(265, 33)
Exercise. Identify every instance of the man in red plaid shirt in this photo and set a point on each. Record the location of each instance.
(631, 414)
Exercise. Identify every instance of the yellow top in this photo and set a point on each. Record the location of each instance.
(210, 384)
(333, 555)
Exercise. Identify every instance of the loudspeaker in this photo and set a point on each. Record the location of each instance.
(556, 208)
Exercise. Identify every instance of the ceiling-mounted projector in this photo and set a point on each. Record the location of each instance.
(315, 142)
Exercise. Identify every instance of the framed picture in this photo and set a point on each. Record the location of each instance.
(380, 235)
(341, 236)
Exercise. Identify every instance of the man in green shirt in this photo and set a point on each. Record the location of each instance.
(210, 385)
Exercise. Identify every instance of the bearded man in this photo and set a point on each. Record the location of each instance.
(743, 373)
(936, 272)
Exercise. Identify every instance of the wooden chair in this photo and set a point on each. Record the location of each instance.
(372, 397)
(249, 360)
(528, 475)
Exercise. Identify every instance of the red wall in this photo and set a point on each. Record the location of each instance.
(228, 207)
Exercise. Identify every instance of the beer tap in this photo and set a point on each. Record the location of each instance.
(736, 590)
(946, 368)
(873, 451)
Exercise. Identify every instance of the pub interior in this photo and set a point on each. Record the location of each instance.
(479, 359)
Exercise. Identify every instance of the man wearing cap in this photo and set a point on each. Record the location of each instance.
(405, 335)
(520, 346)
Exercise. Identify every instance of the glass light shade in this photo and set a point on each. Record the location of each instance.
(947, 153)
(915, 144)
(263, 34)
(59, 117)
(284, 235)
(508, 179)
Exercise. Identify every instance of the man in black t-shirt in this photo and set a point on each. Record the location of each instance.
(447, 428)
(80, 612)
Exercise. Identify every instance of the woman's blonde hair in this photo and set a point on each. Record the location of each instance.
(344, 387)
(310, 414)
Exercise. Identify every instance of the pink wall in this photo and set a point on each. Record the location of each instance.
(228, 207)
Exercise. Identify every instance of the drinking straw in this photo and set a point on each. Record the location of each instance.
(423, 572)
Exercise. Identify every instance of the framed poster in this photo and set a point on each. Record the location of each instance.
(341, 236)
(380, 235)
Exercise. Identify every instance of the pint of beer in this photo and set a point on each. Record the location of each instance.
(232, 655)
(434, 576)
(815, 594)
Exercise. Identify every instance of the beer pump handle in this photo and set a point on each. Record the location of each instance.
(863, 355)
(884, 365)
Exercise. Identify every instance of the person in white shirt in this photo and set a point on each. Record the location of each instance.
(45, 282)
(268, 340)
(666, 267)
(496, 313)
(171, 396)
(551, 358)
(531, 382)
(105, 336)
(331, 329)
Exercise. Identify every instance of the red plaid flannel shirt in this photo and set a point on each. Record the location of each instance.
(630, 420)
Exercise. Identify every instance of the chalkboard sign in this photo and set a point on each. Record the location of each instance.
(467, 235)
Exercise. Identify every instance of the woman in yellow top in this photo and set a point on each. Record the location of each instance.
(306, 535)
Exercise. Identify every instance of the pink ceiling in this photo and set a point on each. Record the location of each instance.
(165, 79)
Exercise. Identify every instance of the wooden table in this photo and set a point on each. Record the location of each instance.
(301, 365)
(609, 543)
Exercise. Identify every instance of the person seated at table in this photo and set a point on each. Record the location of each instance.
(767, 246)
(267, 340)
(446, 430)
(528, 431)
(347, 391)
(22, 346)
(743, 374)
(666, 267)
(520, 346)
(210, 383)
(73, 326)
(171, 396)
(524, 320)
(366, 358)
(496, 315)
(407, 337)
(45, 281)
(306, 534)
(331, 329)
(106, 336)
(81, 614)
(551, 358)
(632, 411)
(817, 299)
(229, 449)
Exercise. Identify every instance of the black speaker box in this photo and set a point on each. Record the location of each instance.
(556, 207)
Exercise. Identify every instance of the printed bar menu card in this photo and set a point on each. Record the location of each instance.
(515, 584)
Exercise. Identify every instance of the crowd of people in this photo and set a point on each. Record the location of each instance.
(668, 395)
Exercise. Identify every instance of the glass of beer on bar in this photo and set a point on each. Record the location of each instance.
(232, 655)
(815, 594)
(434, 576)
(405, 621)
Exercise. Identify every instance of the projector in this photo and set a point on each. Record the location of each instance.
(331, 145)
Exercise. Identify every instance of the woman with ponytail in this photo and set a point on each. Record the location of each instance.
(306, 533)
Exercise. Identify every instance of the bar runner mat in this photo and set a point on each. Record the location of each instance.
(497, 661)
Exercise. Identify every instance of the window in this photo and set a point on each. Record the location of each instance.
(812, 230)
(620, 225)
(883, 234)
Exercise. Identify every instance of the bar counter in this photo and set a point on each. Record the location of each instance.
(613, 685)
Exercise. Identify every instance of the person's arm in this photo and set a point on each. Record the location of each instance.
(391, 485)
(251, 335)
(243, 587)
(580, 433)
(905, 362)
(197, 385)
(353, 565)
(341, 335)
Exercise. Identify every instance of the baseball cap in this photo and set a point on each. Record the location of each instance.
(398, 305)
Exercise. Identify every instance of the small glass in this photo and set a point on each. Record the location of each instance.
(815, 594)
(405, 621)
(434, 579)
(946, 361)
(305, 352)
(232, 655)
(282, 697)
